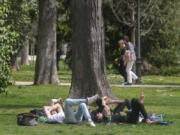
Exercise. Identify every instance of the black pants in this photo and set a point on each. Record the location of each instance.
(133, 116)
(120, 107)
(137, 108)
(122, 71)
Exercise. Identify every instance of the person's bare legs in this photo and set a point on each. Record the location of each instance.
(107, 101)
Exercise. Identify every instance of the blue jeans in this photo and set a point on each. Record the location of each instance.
(75, 117)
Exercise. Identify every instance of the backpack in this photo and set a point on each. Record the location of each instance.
(27, 119)
(127, 57)
(38, 113)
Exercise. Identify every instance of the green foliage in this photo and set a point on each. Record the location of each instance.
(8, 39)
(14, 26)
(161, 46)
(63, 22)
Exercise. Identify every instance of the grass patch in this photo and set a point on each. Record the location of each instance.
(24, 98)
(65, 74)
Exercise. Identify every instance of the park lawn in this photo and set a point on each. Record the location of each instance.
(65, 74)
(24, 98)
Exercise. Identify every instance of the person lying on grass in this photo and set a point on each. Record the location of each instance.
(104, 110)
(136, 107)
(55, 113)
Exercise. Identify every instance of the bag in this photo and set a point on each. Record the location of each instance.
(27, 119)
(127, 57)
(38, 113)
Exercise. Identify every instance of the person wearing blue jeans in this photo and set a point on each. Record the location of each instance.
(76, 117)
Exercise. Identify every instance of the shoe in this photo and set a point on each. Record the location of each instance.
(124, 83)
(92, 99)
(91, 123)
(165, 123)
(128, 84)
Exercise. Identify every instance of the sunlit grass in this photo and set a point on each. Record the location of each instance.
(25, 98)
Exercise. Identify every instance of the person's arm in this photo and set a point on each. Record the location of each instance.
(107, 101)
(149, 122)
(53, 101)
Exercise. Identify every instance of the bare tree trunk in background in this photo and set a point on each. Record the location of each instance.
(133, 28)
(46, 72)
(88, 52)
(14, 63)
(25, 54)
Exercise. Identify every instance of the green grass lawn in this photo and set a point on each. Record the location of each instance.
(25, 98)
(65, 73)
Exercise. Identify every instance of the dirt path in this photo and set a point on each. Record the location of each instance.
(112, 85)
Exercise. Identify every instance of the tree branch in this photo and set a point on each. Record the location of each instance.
(144, 32)
(123, 20)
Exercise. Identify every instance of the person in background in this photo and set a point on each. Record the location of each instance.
(131, 58)
(122, 67)
(58, 54)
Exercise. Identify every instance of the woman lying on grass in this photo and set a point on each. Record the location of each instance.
(56, 114)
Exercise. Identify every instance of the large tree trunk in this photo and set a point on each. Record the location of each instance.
(88, 54)
(25, 54)
(46, 72)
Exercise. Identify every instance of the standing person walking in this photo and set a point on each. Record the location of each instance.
(122, 67)
(130, 74)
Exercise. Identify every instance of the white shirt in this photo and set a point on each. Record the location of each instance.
(58, 117)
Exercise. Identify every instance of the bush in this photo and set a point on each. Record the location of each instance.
(7, 40)
(164, 70)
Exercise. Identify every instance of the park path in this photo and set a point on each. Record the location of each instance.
(112, 85)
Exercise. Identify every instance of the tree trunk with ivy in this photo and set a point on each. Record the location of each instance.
(46, 72)
(88, 52)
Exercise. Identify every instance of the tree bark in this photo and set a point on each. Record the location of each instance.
(46, 72)
(88, 52)
(25, 54)
(14, 63)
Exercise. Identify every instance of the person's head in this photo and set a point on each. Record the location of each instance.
(121, 44)
(125, 39)
(53, 112)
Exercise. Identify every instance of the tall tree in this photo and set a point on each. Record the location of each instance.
(25, 53)
(46, 72)
(88, 55)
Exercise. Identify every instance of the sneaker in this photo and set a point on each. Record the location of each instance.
(92, 99)
(128, 84)
(91, 123)
(124, 83)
